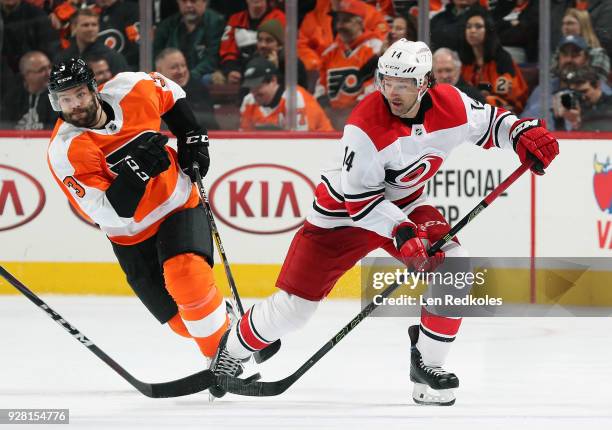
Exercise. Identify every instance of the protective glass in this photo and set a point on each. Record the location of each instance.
(68, 100)
(393, 85)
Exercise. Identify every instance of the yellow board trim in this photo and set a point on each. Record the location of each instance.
(564, 287)
(253, 280)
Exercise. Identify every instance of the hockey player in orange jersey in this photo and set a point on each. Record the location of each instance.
(108, 157)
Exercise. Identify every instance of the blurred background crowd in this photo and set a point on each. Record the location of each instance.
(229, 56)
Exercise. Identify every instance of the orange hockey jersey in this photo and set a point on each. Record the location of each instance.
(340, 77)
(508, 88)
(316, 33)
(310, 116)
(240, 36)
(83, 161)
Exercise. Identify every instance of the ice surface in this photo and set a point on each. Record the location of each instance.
(516, 373)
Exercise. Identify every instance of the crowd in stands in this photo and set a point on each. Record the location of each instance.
(229, 56)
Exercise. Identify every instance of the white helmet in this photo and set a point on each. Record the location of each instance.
(406, 59)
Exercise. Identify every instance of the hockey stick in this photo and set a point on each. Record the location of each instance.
(181, 387)
(270, 350)
(274, 388)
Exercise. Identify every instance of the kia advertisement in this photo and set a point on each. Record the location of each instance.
(262, 198)
(22, 197)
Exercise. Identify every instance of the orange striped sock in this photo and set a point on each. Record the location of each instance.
(190, 281)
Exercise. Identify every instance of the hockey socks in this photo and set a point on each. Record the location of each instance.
(267, 321)
(190, 282)
(436, 336)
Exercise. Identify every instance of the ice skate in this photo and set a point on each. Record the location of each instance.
(224, 364)
(432, 384)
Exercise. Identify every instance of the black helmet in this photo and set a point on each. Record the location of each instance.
(69, 74)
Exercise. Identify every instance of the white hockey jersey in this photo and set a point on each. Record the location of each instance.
(386, 161)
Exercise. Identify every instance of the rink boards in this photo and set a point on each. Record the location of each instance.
(261, 191)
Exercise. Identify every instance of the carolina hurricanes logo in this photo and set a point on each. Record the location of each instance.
(418, 172)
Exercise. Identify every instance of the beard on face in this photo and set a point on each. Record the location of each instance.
(84, 117)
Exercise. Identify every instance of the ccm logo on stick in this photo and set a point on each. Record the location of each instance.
(22, 197)
(262, 198)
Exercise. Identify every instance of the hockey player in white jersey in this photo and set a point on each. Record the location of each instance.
(394, 141)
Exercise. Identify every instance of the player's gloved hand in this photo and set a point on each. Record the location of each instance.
(412, 243)
(193, 148)
(147, 160)
(531, 139)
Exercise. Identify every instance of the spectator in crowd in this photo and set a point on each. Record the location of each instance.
(447, 70)
(317, 33)
(518, 29)
(578, 24)
(264, 108)
(85, 25)
(101, 69)
(348, 65)
(196, 30)
(25, 28)
(447, 26)
(119, 28)
(240, 38)
(60, 16)
(600, 12)
(584, 106)
(569, 61)
(26, 105)
(402, 27)
(171, 63)
(486, 63)
(270, 41)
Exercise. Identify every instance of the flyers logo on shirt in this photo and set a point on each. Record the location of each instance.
(343, 79)
(417, 173)
(22, 197)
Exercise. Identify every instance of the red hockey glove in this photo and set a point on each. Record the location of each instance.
(412, 243)
(531, 139)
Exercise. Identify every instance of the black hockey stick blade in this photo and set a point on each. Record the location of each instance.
(267, 352)
(181, 387)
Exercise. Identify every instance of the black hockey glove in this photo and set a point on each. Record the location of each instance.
(193, 148)
(146, 161)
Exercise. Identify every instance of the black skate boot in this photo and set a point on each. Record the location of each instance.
(224, 364)
(441, 382)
